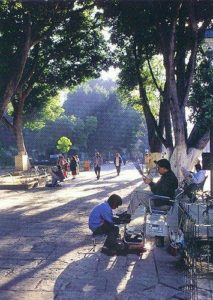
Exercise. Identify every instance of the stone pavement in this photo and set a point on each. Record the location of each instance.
(45, 246)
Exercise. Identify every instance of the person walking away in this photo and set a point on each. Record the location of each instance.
(73, 166)
(101, 222)
(78, 164)
(117, 163)
(97, 164)
(191, 180)
(124, 158)
(165, 186)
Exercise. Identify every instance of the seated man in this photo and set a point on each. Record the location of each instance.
(101, 221)
(165, 186)
(192, 180)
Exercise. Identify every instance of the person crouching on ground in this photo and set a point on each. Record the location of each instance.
(101, 221)
(57, 175)
(165, 186)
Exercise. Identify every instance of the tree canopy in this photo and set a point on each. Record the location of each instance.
(64, 144)
(174, 30)
(49, 45)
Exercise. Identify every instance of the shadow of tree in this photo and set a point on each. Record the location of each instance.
(36, 238)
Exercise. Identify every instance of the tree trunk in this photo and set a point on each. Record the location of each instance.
(183, 158)
(18, 121)
(20, 65)
(18, 131)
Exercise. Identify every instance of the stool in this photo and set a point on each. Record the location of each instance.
(96, 240)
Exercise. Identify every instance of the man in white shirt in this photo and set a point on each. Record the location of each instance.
(117, 163)
(192, 180)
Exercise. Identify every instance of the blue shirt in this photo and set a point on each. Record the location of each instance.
(100, 213)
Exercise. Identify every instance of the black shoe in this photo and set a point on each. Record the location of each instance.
(58, 185)
(108, 251)
(122, 252)
(122, 249)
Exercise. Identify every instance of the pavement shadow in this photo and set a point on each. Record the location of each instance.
(33, 236)
(98, 276)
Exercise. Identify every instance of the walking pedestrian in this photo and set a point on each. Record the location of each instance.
(124, 158)
(78, 164)
(97, 164)
(117, 163)
(73, 166)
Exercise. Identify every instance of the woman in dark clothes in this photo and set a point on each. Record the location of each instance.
(73, 167)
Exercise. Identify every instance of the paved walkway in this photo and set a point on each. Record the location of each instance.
(44, 237)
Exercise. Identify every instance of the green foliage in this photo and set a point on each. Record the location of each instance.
(117, 124)
(7, 156)
(201, 98)
(50, 110)
(67, 48)
(94, 120)
(143, 30)
(64, 144)
(85, 100)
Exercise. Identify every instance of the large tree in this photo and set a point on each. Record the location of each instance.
(45, 47)
(173, 29)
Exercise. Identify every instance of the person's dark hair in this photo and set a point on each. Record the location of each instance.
(114, 200)
(198, 167)
(163, 163)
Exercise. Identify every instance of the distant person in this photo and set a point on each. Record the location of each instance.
(124, 159)
(62, 162)
(117, 163)
(73, 167)
(191, 180)
(97, 164)
(165, 186)
(101, 222)
(57, 176)
(78, 164)
(147, 161)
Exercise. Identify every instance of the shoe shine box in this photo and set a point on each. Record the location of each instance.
(134, 241)
(156, 225)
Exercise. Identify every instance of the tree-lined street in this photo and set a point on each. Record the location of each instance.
(44, 237)
(56, 109)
